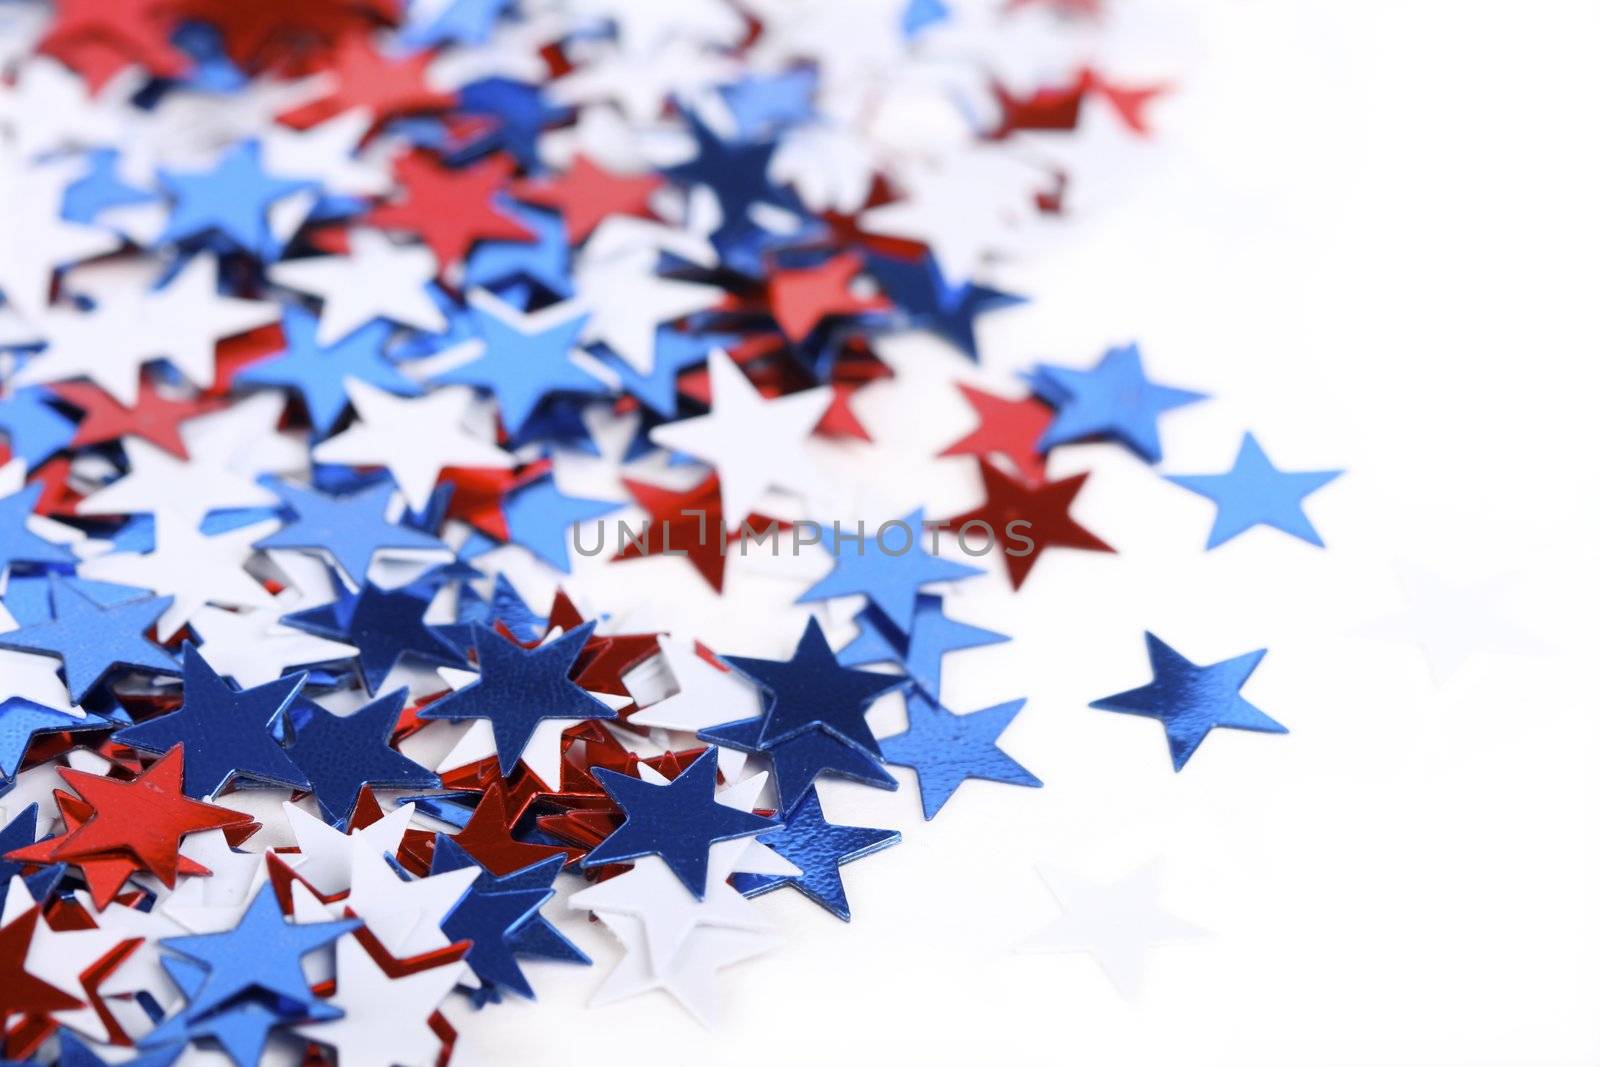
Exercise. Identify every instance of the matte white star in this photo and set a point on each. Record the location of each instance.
(627, 300)
(35, 241)
(160, 482)
(403, 914)
(327, 857)
(385, 1020)
(414, 438)
(377, 280)
(254, 648)
(754, 443)
(328, 153)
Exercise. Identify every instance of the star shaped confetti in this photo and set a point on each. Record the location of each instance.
(1255, 493)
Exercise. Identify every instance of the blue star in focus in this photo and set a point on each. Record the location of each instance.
(500, 916)
(919, 289)
(241, 1029)
(351, 528)
(540, 517)
(93, 641)
(1191, 700)
(230, 201)
(317, 374)
(946, 749)
(1255, 493)
(34, 430)
(522, 368)
(888, 568)
(21, 720)
(921, 656)
(384, 624)
(339, 754)
(18, 544)
(518, 688)
(19, 833)
(1113, 400)
(810, 691)
(225, 732)
(544, 260)
(798, 762)
(819, 848)
(679, 821)
(259, 958)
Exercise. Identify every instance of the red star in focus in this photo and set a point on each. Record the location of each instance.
(587, 194)
(487, 838)
(690, 523)
(802, 298)
(364, 77)
(98, 39)
(449, 208)
(290, 35)
(1044, 507)
(132, 826)
(155, 417)
(1009, 427)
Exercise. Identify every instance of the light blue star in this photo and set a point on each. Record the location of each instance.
(229, 201)
(92, 641)
(1114, 399)
(34, 430)
(260, 956)
(819, 848)
(546, 259)
(540, 516)
(225, 732)
(460, 22)
(518, 688)
(21, 720)
(351, 528)
(522, 368)
(887, 565)
(679, 821)
(18, 544)
(1255, 493)
(100, 189)
(760, 105)
(933, 634)
(946, 749)
(1191, 700)
(676, 351)
(317, 373)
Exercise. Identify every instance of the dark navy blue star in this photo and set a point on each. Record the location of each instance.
(504, 606)
(522, 368)
(921, 656)
(339, 754)
(678, 821)
(19, 833)
(317, 373)
(545, 260)
(33, 428)
(735, 171)
(384, 624)
(1114, 400)
(819, 848)
(946, 749)
(18, 544)
(229, 201)
(919, 289)
(518, 688)
(260, 957)
(224, 731)
(811, 691)
(520, 113)
(500, 916)
(800, 761)
(21, 720)
(92, 641)
(887, 568)
(1255, 493)
(352, 528)
(540, 517)
(1191, 700)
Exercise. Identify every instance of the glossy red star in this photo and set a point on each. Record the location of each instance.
(98, 39)
(487, 838)
(479, 494)
(587, 194)
(363, 77)
(1044, 507)
(803, 297)
(690, 524)
(450, 208)
(22, 993)
(155, 417)
(117, 828)
(1008, 427)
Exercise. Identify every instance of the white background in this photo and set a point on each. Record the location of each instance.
(1369, 231)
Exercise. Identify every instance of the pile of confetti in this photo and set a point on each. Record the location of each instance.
(307, 302)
